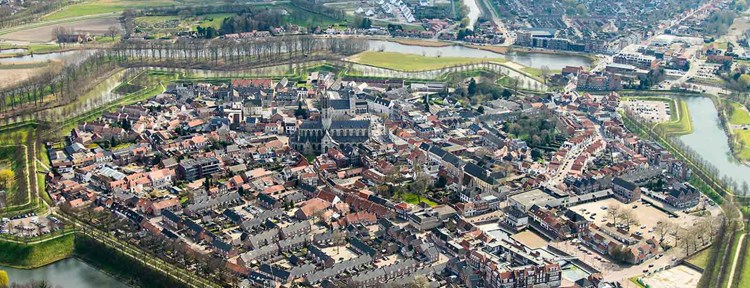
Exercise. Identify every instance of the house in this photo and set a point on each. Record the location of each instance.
(625, 190)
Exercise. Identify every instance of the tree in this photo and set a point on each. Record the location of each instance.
(612, 211)
(472, 88)
(112, 31)
(545, 72)
(480, 109)
(4, 279)
(663, 228)
(6, 178)
(628, 217)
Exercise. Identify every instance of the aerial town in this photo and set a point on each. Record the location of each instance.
(396, 143)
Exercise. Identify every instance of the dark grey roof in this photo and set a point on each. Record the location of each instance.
(362, 247)
(478, 172)
(311, 124)
(624, 183)
(339, 104)
(171, 216)
(350, 124)
(221, 245)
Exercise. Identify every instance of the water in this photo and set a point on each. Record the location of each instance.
(534, 60)
(70, 272)
(12, 51)
(710, 141)
(71, 57)
(473, 12)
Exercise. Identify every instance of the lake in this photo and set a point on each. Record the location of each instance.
(710, 141)
(534, 60)
(71, 272)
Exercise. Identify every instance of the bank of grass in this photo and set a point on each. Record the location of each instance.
(419, 42)
(413, 199)
(744, 137)
(681, 123)
(743, 267)
(635, 281)
(413, 62)
(537, 72)
(700, 259)
(36, 255)
(740, 115)
(102, 7)
(15, 195)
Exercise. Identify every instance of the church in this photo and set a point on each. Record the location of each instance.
(335, 127)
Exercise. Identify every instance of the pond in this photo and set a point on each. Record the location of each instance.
(71, 272)
(706, 125)
(534, 60)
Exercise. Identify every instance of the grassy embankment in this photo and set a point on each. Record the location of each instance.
(413, 62)
(740, 116)
(36, 255)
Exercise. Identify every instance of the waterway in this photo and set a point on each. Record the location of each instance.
(711, 141)
(68, 273)
(534, 60)
(71, 57)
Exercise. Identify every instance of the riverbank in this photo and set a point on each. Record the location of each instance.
(30, 256)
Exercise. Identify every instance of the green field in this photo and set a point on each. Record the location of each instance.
(681, 123)
(700, 259)
(740, 116)
(104, 6)
(744, 136)
(412, 198)
(412, 62)
(8, 160)
(36, 255)
(536, 72)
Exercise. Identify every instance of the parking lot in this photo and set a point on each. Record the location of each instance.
(647, 216)
(655, 111)
(29, 225)
(676, 277)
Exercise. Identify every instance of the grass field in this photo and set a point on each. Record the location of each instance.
(700, 259)
(412, 62)
(104, 6)
(681, 123)
(745, 276)
(412, 198)
(36, 255)
(8, 160)
(744, 136)
(740, 116)
(536, 72)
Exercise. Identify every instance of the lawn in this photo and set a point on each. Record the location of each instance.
(412, 198)
(745, 276)
(536, 72)
(739, 116)
(103, 6)
(36, 255)
(744, 136)
(700, 259)
(413, 62)
(9, 160)
(681, 126)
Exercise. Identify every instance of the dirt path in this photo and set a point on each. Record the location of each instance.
(736, 258)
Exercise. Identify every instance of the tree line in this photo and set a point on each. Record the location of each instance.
(74, 80)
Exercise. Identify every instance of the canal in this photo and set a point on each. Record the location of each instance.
(68, 273)
(710, 141)
(534, 60)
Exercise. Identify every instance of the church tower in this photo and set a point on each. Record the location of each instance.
(326, 113)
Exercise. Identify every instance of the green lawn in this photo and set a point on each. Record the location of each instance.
(700, 259)
(36, 255)
(744, 136)
(740, 116)
(684, 124)
(104, 6)
(413, 62)
(412, 198)
(8, 160)
(745, 277)
(536, 72)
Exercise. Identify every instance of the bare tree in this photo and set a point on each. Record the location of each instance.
(112, 31)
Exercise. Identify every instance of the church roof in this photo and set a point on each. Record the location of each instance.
(350, 124)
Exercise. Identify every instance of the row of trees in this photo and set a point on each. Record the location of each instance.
(75, 79)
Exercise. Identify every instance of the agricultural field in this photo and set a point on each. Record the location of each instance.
(103, 7)
(412, 62)
(44, 34)
(159, 26)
